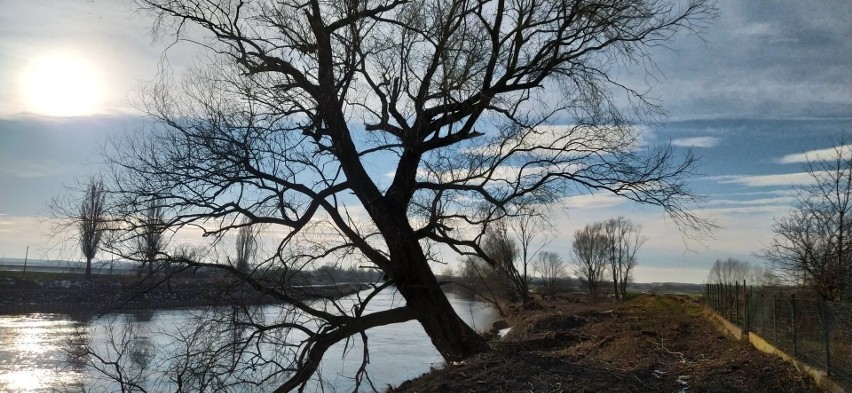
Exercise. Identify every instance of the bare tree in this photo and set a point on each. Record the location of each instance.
(508, 248)
(812, 246)
(494, 277)
(501, 253)
(150, 242)
(478, 108)
(590, 251)
(246, 248)
(532, 230)
(623, 240)
(91, 221)
(551, 267)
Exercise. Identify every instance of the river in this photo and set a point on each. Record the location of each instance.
(34, 354)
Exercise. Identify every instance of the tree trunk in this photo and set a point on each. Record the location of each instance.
(453, 338)
(615, 281)
(88, 268)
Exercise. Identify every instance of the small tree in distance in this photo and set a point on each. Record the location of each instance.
(246, 248)
(150, 242)
(590, 252)
(551, 267)
(92, 221)
(623, 240)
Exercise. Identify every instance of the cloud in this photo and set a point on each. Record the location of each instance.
(768, 210)
(593, 201)
(566, 140)
(30, 169)
(817, 155)
(760, 62)
(787, 179)
(783, 200)
(701, 141)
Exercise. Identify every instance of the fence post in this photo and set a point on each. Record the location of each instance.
(720, 297)
(716, 297)
(737, 303)
(727, 299)
(746, 298)
(823, 308)
(730, 306)
(775, 318)
(795, 336)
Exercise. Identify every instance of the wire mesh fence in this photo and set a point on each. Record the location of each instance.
(810, 329)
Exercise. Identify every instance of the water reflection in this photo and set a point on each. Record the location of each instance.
(49, 352)
(32, 353)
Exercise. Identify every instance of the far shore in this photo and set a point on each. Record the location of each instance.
(100, 295)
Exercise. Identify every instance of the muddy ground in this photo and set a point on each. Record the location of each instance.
(651, 343)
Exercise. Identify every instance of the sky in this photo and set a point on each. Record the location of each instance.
(767, 83)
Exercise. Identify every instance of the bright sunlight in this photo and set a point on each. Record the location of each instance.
(62, 84)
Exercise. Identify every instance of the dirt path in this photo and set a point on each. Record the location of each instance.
(651, 343)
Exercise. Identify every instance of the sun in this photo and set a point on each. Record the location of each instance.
(62, 84)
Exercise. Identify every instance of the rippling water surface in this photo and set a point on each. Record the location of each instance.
(34, 353)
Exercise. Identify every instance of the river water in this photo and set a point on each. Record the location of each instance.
(34, 348)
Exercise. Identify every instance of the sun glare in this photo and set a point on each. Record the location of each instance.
(62, 84)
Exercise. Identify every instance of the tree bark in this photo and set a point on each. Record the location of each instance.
(88, 268)
(453, 338)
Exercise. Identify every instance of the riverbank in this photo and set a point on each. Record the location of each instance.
(104, 294)
(649, 343)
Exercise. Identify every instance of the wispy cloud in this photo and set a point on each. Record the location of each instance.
(785, 200)
(817, 155)
(767, 210)
(29, 169)
(566, 140)
(700, 141)
(786, 179)
(593, 201)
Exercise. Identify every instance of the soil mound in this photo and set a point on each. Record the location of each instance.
(648, 344)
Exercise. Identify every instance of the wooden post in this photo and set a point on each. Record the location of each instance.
(746, 321)
(737, 303)
(826, 337)
(26, 257)
(795, 336)
(730, 307)
(775, 318)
